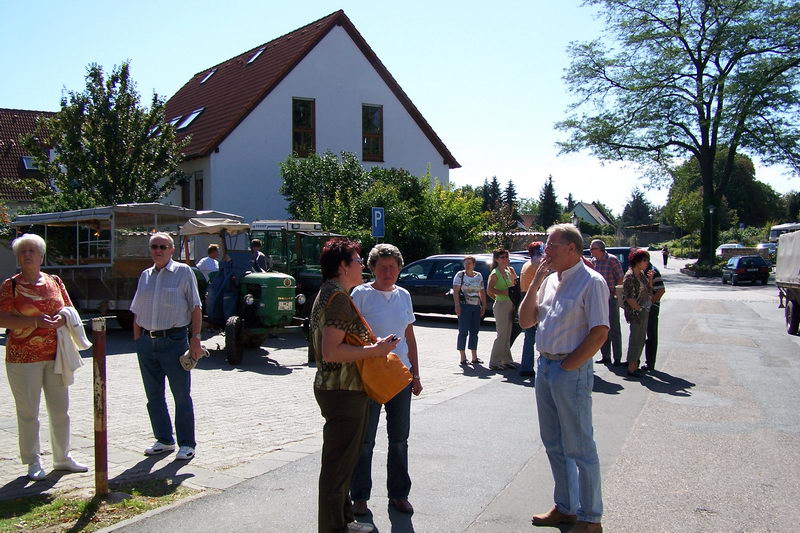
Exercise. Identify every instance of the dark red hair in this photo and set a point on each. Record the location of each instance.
(334, 252)
(638, 255)
(534, 247)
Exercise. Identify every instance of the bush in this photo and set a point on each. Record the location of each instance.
(706, 271)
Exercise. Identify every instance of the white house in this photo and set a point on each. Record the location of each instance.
(318, 88)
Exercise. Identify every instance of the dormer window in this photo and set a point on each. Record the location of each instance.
(29, 163)
(189, 119)
(255, 56)
(210, 73)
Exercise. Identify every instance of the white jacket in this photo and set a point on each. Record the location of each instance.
(71, 339)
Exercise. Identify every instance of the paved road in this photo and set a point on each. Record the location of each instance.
(710, 443)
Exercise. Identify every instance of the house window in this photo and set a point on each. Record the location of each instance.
(189, 119)
(198, 190)
(210, 73)
(29, 163)
(372, 132)
(255, 56)
(185, 189)
(303, 137)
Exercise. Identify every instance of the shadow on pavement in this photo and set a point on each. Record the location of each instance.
(606, 387)
(144, 469)
(254, 360)
(664, 383)
(22, 487)
(477, 371)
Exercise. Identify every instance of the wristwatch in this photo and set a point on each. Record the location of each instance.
(197, 336)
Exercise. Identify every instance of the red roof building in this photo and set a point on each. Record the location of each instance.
(318, 88)
(15, 161)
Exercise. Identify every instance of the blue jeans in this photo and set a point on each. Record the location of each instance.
(564, 404)
(398, 426)
(614, 340)
(469, 322)
(527, 350)
(159, 359)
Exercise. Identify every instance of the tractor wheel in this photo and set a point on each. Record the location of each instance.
(792, 312)
(233, 340)
(125, 320)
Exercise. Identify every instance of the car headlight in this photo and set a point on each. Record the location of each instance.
(301, 299)
(249, 299)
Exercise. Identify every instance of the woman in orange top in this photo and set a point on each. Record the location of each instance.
(29, 306)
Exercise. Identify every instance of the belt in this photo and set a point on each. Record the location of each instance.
(554, 356)
(163, 332)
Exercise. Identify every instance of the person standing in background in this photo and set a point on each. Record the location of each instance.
(209, 264)
(651, 344)
(525, 279)
(501, 279)
(469, 300)
(259, 261)
(610, 268)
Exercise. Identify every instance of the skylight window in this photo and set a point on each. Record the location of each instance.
(29, 163)
(189, 119)
(255, 56)
(175, 120)
(210, 73)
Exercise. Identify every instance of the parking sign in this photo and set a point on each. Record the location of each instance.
(378, 222)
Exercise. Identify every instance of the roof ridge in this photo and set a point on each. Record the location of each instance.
(266, 44)
(3, 109)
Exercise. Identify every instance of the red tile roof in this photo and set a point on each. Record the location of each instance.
(13, 124)
(236, 88)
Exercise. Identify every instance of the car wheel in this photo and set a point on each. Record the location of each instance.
(734, 280)
(233, 340)
(724, 281)
(764, 281)
(792, 312)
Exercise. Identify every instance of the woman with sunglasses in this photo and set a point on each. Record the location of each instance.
(501, 279)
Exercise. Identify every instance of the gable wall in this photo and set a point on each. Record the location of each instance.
(244, 177)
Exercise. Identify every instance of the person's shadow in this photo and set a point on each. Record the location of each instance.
(606, 387)
(664, 383)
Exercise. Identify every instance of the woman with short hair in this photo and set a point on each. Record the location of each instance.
(29, 307)
(469, 299)
(339, 337)
(637, 290)
(501, 279)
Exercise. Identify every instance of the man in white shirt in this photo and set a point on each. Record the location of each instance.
(165, 304)
(387, 309)
(209, 264)
(570, 307)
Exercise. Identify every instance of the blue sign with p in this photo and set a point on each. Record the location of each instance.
(378, 222)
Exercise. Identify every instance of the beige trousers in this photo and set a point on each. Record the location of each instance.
(501, 349)
(27, 380)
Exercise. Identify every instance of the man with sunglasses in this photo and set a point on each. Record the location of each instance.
(166, 303)
(569, 302)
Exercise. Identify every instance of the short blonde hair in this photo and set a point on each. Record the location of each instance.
(162, 235)
(31, 238)
(384, 250)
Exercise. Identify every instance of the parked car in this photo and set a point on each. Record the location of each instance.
(620, 252)
(430, 280)
(729, 245)
(746, 268)
(771, 247)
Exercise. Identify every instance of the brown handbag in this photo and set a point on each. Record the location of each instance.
(383, 377)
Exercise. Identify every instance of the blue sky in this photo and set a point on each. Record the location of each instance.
(486, 76)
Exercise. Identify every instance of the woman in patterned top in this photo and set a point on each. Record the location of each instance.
(339, 337)
(29, 306)
(469, 299)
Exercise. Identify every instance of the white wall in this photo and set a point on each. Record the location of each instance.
(244, 177)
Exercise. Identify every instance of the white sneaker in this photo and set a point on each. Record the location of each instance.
(35, 472)
(71, 465)
(359, 527)
(185, 453)
(159, 448)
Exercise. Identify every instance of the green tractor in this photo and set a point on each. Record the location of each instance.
(294, 246)
(248, 305)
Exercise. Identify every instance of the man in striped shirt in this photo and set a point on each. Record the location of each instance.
(610, 268)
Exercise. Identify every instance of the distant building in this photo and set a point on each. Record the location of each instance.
(15, 162)
(319, 88)
(591, 213)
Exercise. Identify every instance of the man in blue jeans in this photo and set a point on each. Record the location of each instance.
(166, 303)
(387, 309)
(569, 302)
(525, 279)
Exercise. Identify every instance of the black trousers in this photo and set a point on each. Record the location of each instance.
(651, 344)
(345, 414)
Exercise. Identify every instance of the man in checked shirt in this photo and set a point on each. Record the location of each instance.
(166, 303)
(569, 302)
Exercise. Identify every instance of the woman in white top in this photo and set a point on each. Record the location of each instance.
(469, 298)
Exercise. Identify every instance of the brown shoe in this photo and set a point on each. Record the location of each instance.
(360, 507)
(402, 505)
(586, 527)
(553, 518)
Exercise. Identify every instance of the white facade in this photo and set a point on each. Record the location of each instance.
(243, 177)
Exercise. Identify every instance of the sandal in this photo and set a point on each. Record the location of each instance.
(463, 363)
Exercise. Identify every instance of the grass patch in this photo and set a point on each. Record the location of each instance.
(51, 513)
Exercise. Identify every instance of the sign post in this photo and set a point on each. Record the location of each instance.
(378, 223)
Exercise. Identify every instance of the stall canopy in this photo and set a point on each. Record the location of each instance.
(213, 226)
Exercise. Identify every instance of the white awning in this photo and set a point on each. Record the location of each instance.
(213, 226)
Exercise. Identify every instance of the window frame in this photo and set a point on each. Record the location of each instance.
(305, 130)
(372, 156)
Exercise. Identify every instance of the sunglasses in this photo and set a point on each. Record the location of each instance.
(358, 260)
(159, 246)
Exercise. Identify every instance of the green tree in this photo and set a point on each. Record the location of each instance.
(571, 203)
(510, 200)
(492, 195)
(638, 210)
(108, 148)
(549, 208)
(791, 201)
(528, 206)
(684, 78)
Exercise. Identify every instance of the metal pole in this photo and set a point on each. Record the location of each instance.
(100, 415)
